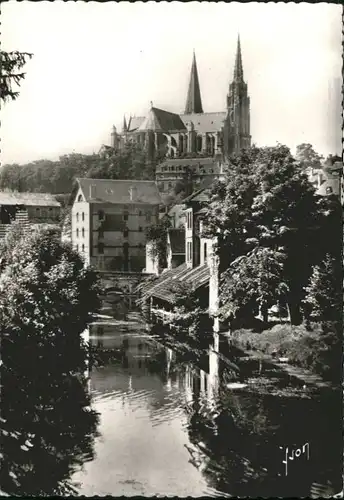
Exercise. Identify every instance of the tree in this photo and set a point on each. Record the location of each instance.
(47, 299)
(308, 157)
(12, 64)
(324, 298)
(157, 236)
(266, 201)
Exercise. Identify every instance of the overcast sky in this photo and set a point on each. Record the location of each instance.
(93, 62)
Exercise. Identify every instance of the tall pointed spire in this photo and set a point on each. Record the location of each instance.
(193, 100)
(125, 128)
(238, 69)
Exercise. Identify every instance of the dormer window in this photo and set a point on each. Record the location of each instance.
(79, 197)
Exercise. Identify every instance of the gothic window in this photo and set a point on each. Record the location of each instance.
(83, 232)
(82, 216)
(199, 143)
(77, 217)
(77, 232)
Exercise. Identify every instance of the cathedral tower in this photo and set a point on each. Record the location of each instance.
(193, 100)
(237, 126)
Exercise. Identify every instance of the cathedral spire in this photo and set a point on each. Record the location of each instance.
(238, 69)
(124, 128)
(193, 100)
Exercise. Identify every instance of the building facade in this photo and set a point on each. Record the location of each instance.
(27, 209)
(109, 222)
(196, 139)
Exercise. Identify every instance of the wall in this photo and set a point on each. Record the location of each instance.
(81, 234)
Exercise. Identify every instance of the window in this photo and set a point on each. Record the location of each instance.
(80, 197)
(140, 229)
(189, 220)
(189, 251)
(100, 248)
(125, 216)
(82, 247)
(148, 217)
(77, 232)
(140, 212)
(329, 190)
(83, 232)
(101, 233)
(205, 251)
(101, 214)
(77, 248)
(125, 232)
(83, 217)
(77, 217)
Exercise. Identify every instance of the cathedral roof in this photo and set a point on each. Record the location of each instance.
(193, 99)
(205, 122)
(134, 123)
(159, 120)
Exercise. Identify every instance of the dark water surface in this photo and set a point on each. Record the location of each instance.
(168, 427)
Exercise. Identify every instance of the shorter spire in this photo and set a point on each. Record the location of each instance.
(193, 100)
(238, 69)
(125, 128)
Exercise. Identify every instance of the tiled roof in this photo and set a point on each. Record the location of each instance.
(205, 122)
(195, 278)
(135, 122)
(118, 191)
(177, 240)
(200, 196)
(28, 199)
(159, 120)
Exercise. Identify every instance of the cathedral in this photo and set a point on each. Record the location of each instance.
(195, 139)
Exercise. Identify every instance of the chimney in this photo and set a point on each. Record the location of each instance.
(92, 191)
(133, 193)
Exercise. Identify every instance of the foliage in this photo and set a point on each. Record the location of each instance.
(157, 237)
(324, 299)
(47, 299)
(58, 176)
(266, 201)
(307, 157)
(12, 64)
(315, 347)
(253, 279)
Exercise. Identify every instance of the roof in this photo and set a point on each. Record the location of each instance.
(177, 240)
(329, 186)
(134, 123)
(200, 196)
(118, 191)
(28, 199)
(195, 277)
(159, 120)
(210, 161)
(205, 122)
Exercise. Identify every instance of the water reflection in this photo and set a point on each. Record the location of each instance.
(170, 428)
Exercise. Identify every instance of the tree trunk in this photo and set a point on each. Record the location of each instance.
(295, 313)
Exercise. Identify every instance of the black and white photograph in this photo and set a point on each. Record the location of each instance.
(171, 266)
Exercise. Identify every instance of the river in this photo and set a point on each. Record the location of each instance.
(171, 427)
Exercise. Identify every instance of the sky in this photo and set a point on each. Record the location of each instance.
(96, 61)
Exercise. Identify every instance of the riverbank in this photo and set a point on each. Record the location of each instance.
(310, 354)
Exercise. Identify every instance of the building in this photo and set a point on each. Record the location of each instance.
(109, 220)
(198, 271)
(328, 180)
(194, 141)
(27, 208)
